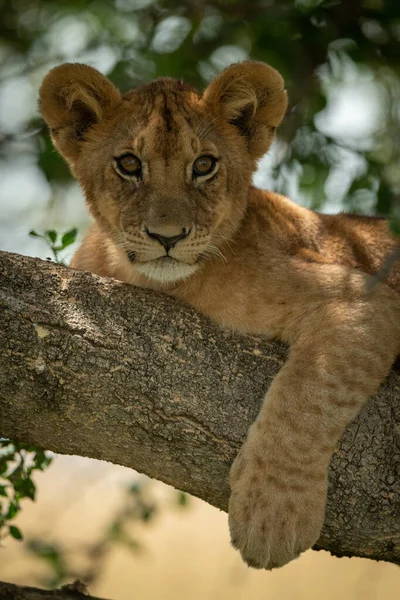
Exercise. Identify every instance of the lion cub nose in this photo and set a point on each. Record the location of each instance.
(167, 241)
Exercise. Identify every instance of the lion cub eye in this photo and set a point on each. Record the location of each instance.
(128, 164)
(204, 165)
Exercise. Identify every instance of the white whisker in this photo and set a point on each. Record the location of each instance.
(213, 251)
(223, 238)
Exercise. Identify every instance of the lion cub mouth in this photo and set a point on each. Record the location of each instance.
(166, 269)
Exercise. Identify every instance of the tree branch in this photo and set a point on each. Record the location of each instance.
(98, 368)
(9, 591)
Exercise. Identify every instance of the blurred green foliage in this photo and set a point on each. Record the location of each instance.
(64, 562)
(327, 50)
(18, 461)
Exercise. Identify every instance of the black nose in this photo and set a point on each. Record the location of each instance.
(168, 242)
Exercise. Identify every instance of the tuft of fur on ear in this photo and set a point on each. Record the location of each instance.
(74, 97)
(251, 96)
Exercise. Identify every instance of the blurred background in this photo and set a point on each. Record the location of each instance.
(338, 149)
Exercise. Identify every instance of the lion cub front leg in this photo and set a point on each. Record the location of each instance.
(280, 476)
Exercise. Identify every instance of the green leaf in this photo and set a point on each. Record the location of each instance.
(33, 233)
(15, 475)
(12, 511)
(69, 237)
(183, 499)
(41, 460)
(15, 532)
(3, 491)
(51, 234)
(25, 488)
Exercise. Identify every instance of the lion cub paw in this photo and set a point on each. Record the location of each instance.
(274, 514)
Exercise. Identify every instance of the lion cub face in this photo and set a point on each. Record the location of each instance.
(165, 169)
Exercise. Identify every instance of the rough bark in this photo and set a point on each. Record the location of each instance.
(9, 591)
(98, 368)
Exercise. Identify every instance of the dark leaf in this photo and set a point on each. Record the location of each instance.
(41, 460)
(3, 465)
(15, 475)
(15, 532)
(12, 511)
(25, 488)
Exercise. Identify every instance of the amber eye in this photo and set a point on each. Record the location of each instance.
(204, 165)
(128, 164)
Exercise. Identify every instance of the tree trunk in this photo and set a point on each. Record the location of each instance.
(99, 368)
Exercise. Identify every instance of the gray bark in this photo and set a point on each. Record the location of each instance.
(98, 368)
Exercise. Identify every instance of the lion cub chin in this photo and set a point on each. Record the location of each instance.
(166, 270)
(167, 175)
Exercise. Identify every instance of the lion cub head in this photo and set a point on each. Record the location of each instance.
(166, 170)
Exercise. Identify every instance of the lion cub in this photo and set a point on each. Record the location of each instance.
(167, 175)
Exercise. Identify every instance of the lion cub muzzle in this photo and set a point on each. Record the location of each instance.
(168, 241)
(165, 250)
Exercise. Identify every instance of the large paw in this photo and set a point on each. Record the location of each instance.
(276, 511)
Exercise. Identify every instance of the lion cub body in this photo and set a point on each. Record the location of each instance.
(167, 176)
(271, 267)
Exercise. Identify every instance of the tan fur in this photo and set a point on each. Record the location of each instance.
(250, 260)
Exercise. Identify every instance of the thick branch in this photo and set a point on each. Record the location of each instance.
(8, 591)
(97, 368)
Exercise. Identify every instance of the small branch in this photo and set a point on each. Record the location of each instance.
(98, 368)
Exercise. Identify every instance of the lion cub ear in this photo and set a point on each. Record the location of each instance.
(73, 98)
(251, 96)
